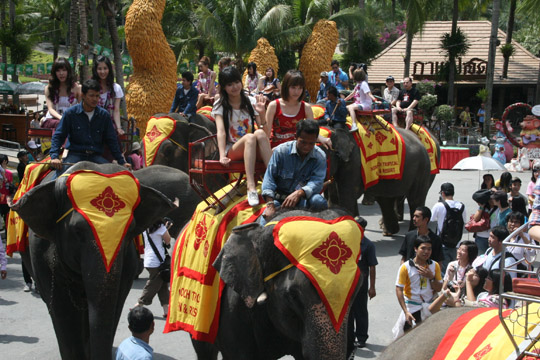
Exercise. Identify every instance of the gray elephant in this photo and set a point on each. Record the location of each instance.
(293, 320)
(348, 186)
(174, 152)
(174, 184)
(83, 292)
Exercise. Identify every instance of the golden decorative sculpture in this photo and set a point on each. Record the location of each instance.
(152, 86)
(264, 56)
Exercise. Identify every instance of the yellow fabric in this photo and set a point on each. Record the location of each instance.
(107, 203)
(497, 344)
(195, 285)
(318, 111)
(327, 254)
(429, 144)
(157, 131)
(17, 231)
(382, 151)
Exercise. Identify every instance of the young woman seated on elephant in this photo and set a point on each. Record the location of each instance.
(290, 109)
(236, 115)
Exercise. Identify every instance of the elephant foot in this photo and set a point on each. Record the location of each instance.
(386, 233)
(367, 202)
(400, 218)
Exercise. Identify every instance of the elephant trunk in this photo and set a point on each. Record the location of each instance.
(320, 340)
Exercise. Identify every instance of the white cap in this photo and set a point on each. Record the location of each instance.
(32, 144)
(135, 146)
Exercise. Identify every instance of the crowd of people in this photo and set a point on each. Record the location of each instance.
(439, 269)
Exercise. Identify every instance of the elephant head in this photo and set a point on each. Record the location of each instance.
(84, 273)
(173, 152)
(250, 264)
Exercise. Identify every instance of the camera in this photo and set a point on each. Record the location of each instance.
(452, 286)
(168, 220)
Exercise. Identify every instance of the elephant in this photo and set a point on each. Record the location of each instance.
(345, 168)
(174, 184)
(292, 320)
(175, 153)
(83, 296)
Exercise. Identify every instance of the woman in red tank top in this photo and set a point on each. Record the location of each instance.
(284, 113)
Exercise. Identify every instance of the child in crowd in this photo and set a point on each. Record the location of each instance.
(135, 158)
(363, 99)
(335, 113)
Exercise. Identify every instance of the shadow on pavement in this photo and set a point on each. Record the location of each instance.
(8, 339)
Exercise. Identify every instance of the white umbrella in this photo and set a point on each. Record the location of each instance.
(34, 87)
(478, 163)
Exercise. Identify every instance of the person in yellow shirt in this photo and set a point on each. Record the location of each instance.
(418, 280)
(465, 117)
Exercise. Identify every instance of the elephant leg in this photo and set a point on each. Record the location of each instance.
(348, 194)
(204, 350)
(391, 225)
(400, 204)
(368, 199)
(68, 315)
(415, 198)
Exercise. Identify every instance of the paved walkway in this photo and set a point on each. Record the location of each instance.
(27, 331)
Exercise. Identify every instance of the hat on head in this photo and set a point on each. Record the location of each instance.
(32, 144)
(447, 188)
(516, 179)
(390, 78)
(324, 74)
(22, 153)
(135, 146)
(482, 196)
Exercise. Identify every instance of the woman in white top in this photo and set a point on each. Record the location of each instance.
(61, 93)
(159, 235)
(111, 93)
(514, 220)
(252, 79)
(236, 115)
(454, 279)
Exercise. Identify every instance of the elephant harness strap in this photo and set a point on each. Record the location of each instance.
(327, 252)
(157, 131)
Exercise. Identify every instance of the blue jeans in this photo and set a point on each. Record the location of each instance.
(316, 203)
(449, 255)
(75, 157)
(482, 243)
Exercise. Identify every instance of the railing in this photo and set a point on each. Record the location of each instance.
(529, 338)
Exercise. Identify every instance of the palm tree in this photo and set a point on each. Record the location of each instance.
(416, 13)
(73, 28)
(530, 9)
(84, 39)
(451, 57)
(53, 14)
(491, 62)
(509, 32)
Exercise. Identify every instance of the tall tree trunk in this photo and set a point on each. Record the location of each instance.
(73, 30)
(361, 6)
(407, 59)
(451, 59)
(4, 49)
(509, 31)
(537, 100)
(109, 7)
(84, 39)
(95, 21)
(491, 63)
(15, 77)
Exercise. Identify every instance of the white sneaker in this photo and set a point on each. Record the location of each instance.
(253, 198)
(354, 127)
(27, 287)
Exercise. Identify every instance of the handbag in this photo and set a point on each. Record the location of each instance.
(165, 266)
(478, 226)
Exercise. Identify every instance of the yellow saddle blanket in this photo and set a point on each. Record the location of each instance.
(196, 287)
(17, 230)
(429, 143)
(327, 252)
(382, 150)
(157, 131)
(479, 334)
(107, 202)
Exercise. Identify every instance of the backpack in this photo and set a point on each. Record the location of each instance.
(452, 229)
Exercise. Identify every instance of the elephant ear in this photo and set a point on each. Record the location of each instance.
(38, 210)
(152, 207)
(239, 266)
(343, 144)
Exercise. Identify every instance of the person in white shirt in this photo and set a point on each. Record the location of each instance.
(438, 214)
(391, 92)
(494, 253)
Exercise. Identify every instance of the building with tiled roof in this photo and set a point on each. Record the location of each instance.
(427, 56)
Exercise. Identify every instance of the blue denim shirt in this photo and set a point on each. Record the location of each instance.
(134, 348)
(287, 172)
(185, 103)
(323, 88)
(340, 115)
(84, 135)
